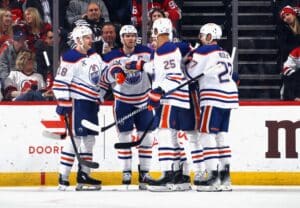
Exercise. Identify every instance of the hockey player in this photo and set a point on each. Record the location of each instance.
(130, 89)
(76, 87)
(166, 68)
(218, 95)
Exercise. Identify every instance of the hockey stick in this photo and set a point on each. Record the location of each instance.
(89, 125)
(81, 161)
(136, 143)
(127, 145)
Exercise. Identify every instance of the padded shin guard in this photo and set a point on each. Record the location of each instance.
(224, 150)
(168, 149)
(196, 150)
(210, 151)
(145, 151)
(86, 150)
(67, 156)
(125, 155)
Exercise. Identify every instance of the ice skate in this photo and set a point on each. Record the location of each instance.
(207, 181)
(62, 184)
(225, 179)
(182, 182)
(164, 184)
(86, 183)
(144, 179)
(126, 180)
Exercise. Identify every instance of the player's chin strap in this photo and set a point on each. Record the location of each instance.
(81, 161)
(89, 125)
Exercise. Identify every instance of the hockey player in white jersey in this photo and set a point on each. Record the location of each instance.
(218, 95)
(130, 89)
(76, 88)
(166, 69)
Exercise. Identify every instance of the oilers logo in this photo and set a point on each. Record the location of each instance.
(94, 74)
(133, 77)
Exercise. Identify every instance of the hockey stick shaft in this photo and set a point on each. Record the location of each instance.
(80, 160)
(96, 128)
(136, 143)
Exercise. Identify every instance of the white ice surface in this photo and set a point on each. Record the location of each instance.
(118, 196)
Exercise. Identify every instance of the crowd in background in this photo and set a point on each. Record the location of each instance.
(26, 25)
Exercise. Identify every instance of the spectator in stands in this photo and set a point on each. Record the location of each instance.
(77, 10)
(5, 25)
(35, 27)
(15, 6)
(119, 11)
(24, 84)
(291, 76)
(93, 19)
(9, 51)
(170, 8)
(289, 31)
(109, 39)
(44, 7)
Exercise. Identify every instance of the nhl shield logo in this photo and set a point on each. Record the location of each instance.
(94, 74)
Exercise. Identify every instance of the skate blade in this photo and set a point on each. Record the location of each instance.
(62, 187)
(183, 187)
(87, 187)
(208, 188)
(165, 188)
(143, 186)
(226, 188)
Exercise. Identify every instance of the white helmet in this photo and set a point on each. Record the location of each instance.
(80, 31)
(213, 29)
(126, 29)
(161, 26)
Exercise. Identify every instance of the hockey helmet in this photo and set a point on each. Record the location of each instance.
(161, 26)
(213, 29)
(80, 31)
(127, 29)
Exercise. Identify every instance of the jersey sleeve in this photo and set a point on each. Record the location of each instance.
(64, 76)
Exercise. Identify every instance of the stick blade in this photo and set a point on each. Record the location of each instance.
(89, 125)
(127, 145)
(89, 164)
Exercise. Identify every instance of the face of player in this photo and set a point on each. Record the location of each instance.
(204, 39)
(87, 42)
(129, 40)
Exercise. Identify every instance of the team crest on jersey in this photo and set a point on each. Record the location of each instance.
(94, 74)
(133, 77)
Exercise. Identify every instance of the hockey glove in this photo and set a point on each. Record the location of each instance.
(118, 74)
(64, 107)
(135, 65)
(154, 98)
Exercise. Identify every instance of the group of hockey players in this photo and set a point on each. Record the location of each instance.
(150, 79)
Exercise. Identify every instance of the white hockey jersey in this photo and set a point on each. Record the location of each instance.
(292, 63)
(217, 87)
(21, 82)
(166, 67)
(78, 76)
(137, 84)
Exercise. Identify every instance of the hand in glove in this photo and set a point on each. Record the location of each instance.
(118, 73)
(135, 65)
(64, 107)
(154, 98)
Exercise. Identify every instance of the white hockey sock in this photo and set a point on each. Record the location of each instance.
(145, 151)
(86, 150)
(224, 150)
(210, 151)
(125, 155)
